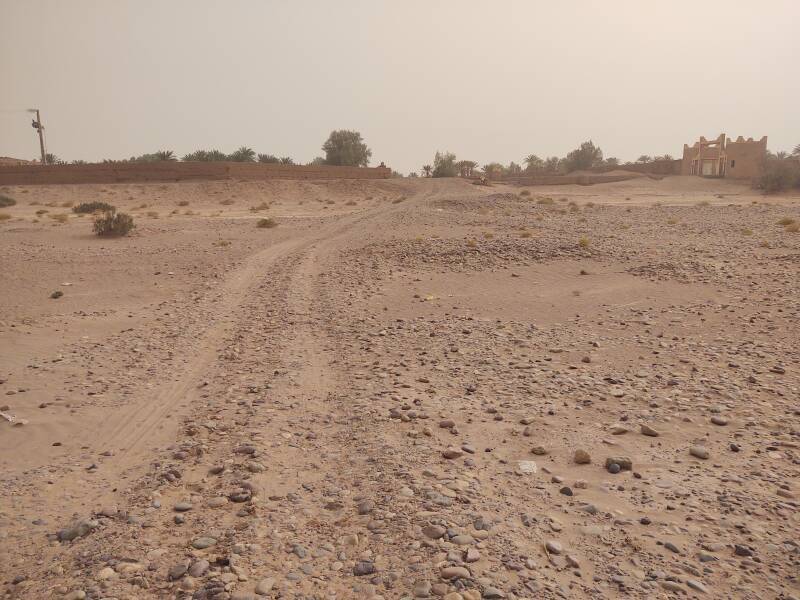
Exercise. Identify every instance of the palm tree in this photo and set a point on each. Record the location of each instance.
(534, 163)
(268, 158)
(243, 154)
(427, 169)
(196, 156)
(52, 159)
(644, 158)
(287, 160)
(165, 155)
(465, 167)
(612, 161)
(781, 155)
(216, 155)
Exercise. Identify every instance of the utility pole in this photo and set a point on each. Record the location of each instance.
(37, 124)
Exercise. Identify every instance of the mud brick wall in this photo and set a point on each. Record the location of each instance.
(177, 171)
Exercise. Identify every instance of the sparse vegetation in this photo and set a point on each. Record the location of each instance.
(4, 216)
(60, 217)
(113, 224)
(93, 207)
(779, 175)
(183, 203)
(793, 228)
(5, 201)
(583, 242)
(267, 223)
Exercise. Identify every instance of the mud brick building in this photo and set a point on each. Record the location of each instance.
(723, 157)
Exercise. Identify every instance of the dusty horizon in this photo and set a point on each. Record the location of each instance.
(118, 80)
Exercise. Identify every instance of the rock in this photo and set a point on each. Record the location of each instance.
(105, 573)
(696, 585)
(177, 571)
(625, 463)
(455, 573)
(265, 586)
(472, 555)
(365, 507)
(199, 568)
(717, 420)
(582, 457)
(204, 542)
(671, 586)
(75, 595)
(740, 550)
(363, 567)
(539, 450)
(614, 468)
(672, 547)
(566, 490)
(182, 506)
(434, 531)
(554, 547)
(78, 529)
(452, 452)
(699, 452)
(491, 592)
(572, 562)
(648, 431)
(421, 589)
(527, 467)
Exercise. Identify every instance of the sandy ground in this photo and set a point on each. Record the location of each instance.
(407, 389)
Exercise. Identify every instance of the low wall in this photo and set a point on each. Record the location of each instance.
(656, 167)
(178, 171)
(565, 179)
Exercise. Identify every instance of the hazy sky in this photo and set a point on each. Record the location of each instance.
(489, 81)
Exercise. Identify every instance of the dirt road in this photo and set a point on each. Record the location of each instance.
(404, 390)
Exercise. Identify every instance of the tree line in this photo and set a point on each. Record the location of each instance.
(342, 148)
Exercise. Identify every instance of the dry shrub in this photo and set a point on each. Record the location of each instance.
(93, 207)
(747, 231)
(42, 211)
(786, 221)
(5, 201)
(227, 202)
(60, 217)
(583, 242)
(183, 203)
(546, 200)
(4, 216)
(152, 214)
(472, 244)
(525, 234)
(268, 223)
(350, 203)
(525, 193)
(113, 224)
(793, 228)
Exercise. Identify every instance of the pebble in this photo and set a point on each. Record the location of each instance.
(717, 420)
(699, 452)
(363, 567)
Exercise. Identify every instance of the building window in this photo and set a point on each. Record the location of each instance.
(733, 163)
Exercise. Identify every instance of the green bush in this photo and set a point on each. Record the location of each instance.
(113, 224)
(6, 201)
(93, 207)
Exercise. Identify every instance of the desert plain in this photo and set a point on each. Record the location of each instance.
(401, 389)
